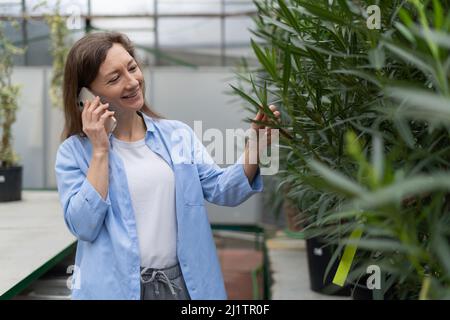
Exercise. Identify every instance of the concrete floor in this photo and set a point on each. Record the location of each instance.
(238, 258)
(28, 227)
(289, 270)
(32, 232)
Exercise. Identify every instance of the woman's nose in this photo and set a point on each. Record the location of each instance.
(132, 81)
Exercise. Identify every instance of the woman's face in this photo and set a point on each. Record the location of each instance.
(120, 81)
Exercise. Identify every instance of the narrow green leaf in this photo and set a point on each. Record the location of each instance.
(378, 158)
(440, 38)
(286, 71)
(405, 17)
(287, 14)
(410, 56)
(264, 94)
(334, 217)
(442, 249)
(336, 179)
(438, 14)
(404, 131)
(421, 104)
(264, 60)
(327, 52)
(405, 32)
(279, 24)
(384, 245)
(377, 58)
(395, 193)
(245, 96)
(360, 74)
(322, 13)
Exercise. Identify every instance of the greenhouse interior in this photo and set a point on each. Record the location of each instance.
(344, 105)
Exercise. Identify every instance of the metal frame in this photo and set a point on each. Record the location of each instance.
(260, 239)
(223, 15)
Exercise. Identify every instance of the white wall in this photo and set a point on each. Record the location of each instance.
(177, 93)
(28, 130)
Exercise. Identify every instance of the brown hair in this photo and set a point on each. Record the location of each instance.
(82, 65)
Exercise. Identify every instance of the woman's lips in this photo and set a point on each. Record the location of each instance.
(131, 96)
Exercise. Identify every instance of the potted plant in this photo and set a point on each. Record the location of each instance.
(302, 57)
(10, 169)
(399, 196)
(59, 33)
(331, 75)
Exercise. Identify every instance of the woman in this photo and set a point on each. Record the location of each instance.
(138, 215)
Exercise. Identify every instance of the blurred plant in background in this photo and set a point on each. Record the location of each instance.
(8, 98)
(59, 33)
(366, 116)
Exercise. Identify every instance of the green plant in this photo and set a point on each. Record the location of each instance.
(59, 49)
(307, 69)
(309, 65)
(331, 76)
(8, 99)
(401, 197)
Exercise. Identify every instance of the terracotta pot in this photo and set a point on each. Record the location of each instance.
(291, 214)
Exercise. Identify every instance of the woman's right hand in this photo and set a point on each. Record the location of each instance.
(93, 118)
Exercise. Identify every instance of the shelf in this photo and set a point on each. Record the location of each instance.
(33, 238)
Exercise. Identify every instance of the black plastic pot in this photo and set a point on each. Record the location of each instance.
(318, 259)
(10, 184)
(361, 292)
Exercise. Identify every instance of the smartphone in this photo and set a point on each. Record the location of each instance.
(86, 94)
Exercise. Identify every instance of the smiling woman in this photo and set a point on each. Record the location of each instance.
(139, 216)
(105, 63)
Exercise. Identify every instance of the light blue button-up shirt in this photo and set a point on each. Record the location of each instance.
(107, 264)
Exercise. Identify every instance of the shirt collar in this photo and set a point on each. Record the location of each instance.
(149, 122)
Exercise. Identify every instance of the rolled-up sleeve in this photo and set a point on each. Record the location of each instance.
(223, 186)
(83, 207)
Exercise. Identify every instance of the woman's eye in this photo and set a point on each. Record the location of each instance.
(132, 69)
(113, 80)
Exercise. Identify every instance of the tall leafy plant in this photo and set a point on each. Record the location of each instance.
(59, 33)
(351, 108)
(402, 203)
(315, 66)
(8, 99)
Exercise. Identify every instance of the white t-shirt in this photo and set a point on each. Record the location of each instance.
(151, 182)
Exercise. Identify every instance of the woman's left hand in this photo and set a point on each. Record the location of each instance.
(268, 131)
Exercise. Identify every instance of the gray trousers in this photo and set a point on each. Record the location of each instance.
(163, 284)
